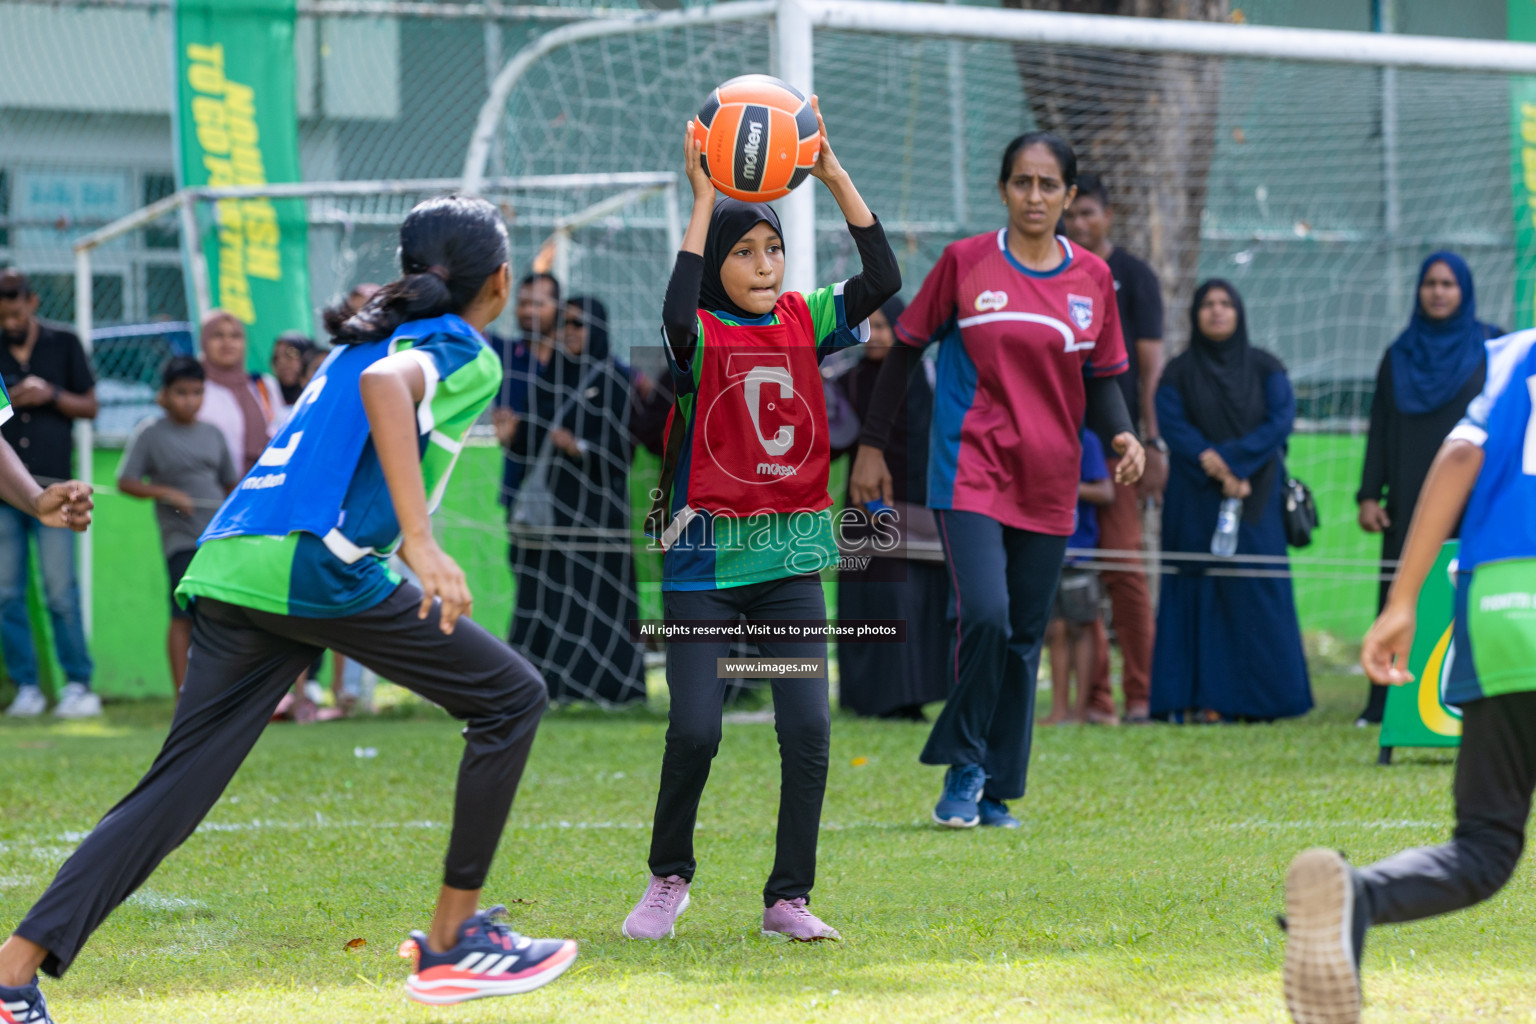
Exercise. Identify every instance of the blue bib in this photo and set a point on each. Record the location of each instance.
(301, 480)
(1500, 521)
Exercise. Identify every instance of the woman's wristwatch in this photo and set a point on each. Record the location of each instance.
(1158, 443)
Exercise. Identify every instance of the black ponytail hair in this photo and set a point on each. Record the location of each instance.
(1066, 159)
(449, 246)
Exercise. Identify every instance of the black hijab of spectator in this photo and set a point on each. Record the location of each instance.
(584, 389)
(1221, 382)
(595, 315)
(893, 307)
(729, 222)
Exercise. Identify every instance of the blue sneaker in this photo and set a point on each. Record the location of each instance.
(994, 814)
(24, 1005)
(489, 960)
(958, 807)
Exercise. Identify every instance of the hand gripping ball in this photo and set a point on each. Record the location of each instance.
(758, 136)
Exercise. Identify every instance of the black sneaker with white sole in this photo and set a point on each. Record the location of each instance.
(1325, 923)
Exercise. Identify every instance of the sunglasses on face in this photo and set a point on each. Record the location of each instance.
(580, 325)
(8, 294)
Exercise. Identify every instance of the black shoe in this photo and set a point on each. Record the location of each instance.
(1325, 922)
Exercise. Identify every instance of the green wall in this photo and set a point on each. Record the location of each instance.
(131, 604)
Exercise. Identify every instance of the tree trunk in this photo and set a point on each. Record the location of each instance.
(1144, 122)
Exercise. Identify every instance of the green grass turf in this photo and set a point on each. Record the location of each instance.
(1140, 888)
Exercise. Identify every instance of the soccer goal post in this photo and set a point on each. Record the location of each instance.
(1314, 169)
(602, 230)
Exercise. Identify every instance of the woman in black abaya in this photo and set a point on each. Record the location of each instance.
(570, 523)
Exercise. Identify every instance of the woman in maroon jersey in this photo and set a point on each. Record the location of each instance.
(1030, 342)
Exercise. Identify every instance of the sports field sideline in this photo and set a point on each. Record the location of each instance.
(1141, 887)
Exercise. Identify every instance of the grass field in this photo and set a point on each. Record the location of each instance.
(1141, 887)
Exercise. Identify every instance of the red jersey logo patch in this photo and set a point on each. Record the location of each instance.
(1080, 309)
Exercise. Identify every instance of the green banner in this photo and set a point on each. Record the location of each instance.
(1416, 715)
(1522, 102)
(238, 124)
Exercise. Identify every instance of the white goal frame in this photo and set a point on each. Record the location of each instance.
(795, 21)
(629, 187)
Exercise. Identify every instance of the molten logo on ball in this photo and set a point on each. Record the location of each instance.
(754, 143)
(759, 138)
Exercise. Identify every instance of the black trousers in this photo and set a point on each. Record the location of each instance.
(801, 716)
(242, 663)
(1495, 774)
(1002, 582)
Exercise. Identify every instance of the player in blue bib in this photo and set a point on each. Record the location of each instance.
(294, 563)
(1486, 469)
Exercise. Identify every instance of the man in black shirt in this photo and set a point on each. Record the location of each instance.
(1088, 222)
(50, 384)
(523, 362)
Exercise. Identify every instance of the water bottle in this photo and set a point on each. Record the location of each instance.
(1224, 540)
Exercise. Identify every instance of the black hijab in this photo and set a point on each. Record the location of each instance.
(892, 308)
(595, 315)
(1222, 384)
(731, 219)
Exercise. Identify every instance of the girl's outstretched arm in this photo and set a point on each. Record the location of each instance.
(1442, 501)
(680, 308)
(880, 276)
(66, 504)
(391, 388)
(828, 168)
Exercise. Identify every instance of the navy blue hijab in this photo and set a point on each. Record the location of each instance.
(1432, 359)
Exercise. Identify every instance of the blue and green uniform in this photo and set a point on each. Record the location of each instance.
(309, 530)
(730, 551)
(1495, 627)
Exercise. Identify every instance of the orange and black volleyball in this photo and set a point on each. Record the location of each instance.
(758, 136)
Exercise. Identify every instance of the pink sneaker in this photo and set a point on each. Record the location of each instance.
(655, 916)
(791, 919)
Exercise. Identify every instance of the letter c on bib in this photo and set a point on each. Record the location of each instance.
(784, 439)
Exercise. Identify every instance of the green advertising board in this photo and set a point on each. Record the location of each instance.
(237, 124)
(1416, 715)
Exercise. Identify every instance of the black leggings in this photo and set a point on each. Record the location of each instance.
(242, 663)
(1495, 773)
(801, 716)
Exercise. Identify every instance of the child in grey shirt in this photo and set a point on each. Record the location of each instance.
(189, 473)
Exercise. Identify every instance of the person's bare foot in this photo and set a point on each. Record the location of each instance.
(1054, 718)
(1101, 718)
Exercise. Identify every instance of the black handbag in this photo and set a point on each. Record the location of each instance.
(1300, 513)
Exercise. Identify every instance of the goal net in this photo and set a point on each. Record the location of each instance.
(571, 572)
(1316, 188)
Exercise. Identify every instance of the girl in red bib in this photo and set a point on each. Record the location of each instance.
(744, 517)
